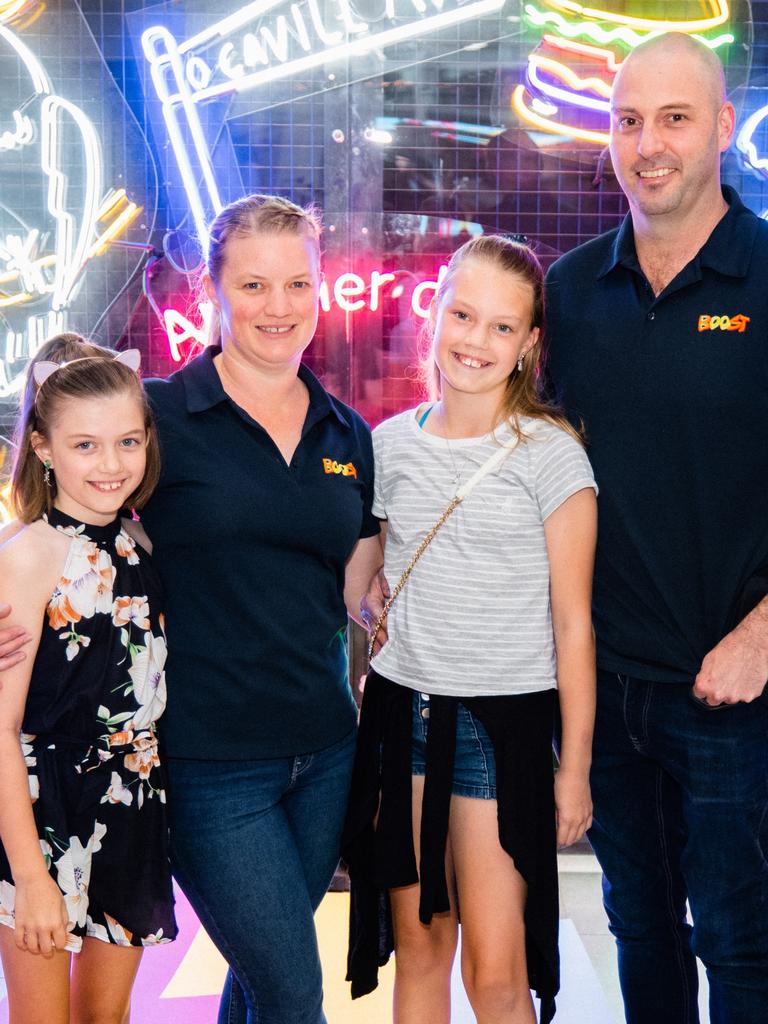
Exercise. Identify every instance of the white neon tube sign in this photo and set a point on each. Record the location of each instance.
(78, 232)
(225, 58)
(745, 141)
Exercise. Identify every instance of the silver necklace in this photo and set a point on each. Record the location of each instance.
(458, 468)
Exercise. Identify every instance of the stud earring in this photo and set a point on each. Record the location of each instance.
(520, 364)
(47, 467)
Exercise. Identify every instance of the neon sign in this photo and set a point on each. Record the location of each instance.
(644, 24)
(556, 98)
(350, 292)
(44, 264)
(621, 35)
(238, 54)
(745, 141)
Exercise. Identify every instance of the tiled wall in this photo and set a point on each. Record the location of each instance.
(408, 146)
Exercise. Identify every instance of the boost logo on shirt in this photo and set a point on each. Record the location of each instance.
(723, 323)
(346, 468)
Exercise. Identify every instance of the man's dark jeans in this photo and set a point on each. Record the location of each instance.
(681, 813)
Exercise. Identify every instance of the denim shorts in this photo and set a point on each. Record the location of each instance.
(474, 767)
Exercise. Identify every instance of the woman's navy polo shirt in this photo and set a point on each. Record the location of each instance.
(252, 552)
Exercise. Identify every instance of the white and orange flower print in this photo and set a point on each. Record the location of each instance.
(120, 739)
(116, 934)
(27, 752)
(7, 903)
(131, 611)
(144, 757)
(119, 935)
(74, 642)
(90, 575)
(126, 548)
(147, 674)
(117, 792)
(73, 874)
(60, 610)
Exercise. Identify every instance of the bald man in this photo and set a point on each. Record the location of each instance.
(659, 343)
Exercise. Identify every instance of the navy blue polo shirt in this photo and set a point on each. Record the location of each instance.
(251, 552)
(673, 392)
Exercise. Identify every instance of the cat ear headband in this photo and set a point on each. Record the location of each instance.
(43, 370)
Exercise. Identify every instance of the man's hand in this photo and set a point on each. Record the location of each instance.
(737, 668)
(12, 639)
(372, 605)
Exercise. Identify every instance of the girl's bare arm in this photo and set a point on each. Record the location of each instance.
(571, 532)
(29, 568)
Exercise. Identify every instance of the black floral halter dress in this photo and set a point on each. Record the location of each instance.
(89, 743)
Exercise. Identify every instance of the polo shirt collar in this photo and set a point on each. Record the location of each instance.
(727, 250)
(204, 389)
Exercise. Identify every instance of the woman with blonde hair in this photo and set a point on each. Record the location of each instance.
(261, 527)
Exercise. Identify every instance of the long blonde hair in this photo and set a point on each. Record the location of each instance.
(523, 393)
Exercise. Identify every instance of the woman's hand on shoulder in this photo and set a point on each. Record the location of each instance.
(13, 639)
(40, 914)
(573, 803)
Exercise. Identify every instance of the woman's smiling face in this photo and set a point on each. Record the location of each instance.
(267, 296)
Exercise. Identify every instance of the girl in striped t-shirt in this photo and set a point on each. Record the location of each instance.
(492, 623)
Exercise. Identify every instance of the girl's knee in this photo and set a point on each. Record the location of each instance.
(497, 993)
(424, 949)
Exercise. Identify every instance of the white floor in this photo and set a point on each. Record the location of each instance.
(581, 903)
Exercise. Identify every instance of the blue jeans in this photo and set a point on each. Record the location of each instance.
(254, 845)
(681, 812)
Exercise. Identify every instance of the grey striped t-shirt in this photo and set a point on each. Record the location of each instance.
(474, 617)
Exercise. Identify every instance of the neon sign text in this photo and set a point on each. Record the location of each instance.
(350, 292)
(238, 55)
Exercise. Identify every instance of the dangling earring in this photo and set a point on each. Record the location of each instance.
(520, 364)
(47, 467)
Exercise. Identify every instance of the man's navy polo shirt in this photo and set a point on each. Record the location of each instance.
(673, 392)
(251, 552)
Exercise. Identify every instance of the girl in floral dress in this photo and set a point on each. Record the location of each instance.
(83, 835)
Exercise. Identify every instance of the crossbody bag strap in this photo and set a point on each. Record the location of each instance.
(489, 466)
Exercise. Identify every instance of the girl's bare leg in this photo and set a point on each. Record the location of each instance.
(492, 900)
(38, 986)
(424, 954)
(102, 979)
